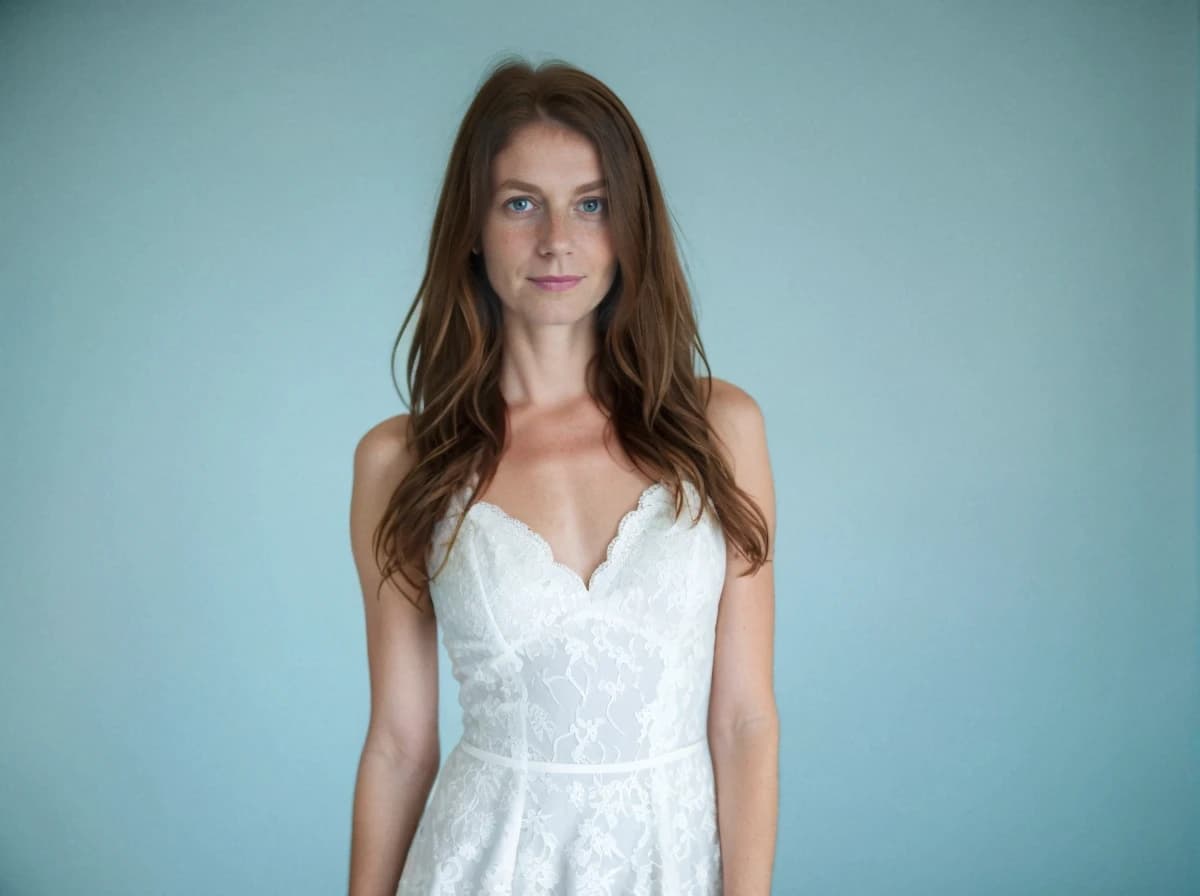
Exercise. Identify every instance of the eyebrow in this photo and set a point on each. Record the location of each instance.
(514, 184)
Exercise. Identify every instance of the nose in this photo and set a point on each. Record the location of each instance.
(556, 234)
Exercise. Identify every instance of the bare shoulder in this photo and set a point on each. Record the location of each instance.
(381, 460)
(737, 419)
(741, 429)
(382, 451)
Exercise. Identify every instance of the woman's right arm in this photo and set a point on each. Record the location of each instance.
(401, 752)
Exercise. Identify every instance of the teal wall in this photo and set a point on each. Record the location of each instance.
(950, 247)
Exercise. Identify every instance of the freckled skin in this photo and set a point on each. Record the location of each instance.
(553, 230)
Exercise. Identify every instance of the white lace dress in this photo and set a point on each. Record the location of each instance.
(584, 765)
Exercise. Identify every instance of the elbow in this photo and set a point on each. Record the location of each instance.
(421, 755)
(759, 727)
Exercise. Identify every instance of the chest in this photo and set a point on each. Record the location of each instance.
(662, 572)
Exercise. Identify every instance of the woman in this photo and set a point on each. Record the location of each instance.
(590, 523)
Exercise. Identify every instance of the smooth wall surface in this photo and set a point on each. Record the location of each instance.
(950, 248)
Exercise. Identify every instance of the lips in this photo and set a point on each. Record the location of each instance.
(555, 284)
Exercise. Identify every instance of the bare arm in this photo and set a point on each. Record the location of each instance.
(401, 751)
(743, 722)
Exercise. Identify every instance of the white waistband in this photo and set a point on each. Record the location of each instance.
(580, 767)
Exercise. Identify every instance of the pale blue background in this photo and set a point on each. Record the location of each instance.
(949, 247)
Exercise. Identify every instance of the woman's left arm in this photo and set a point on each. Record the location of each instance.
(743, 721)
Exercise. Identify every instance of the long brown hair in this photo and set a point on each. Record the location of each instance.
(643, 371)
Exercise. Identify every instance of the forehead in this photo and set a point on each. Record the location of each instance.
(548, 155)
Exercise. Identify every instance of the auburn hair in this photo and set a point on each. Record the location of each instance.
(642, 373)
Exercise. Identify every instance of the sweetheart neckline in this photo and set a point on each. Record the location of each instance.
(547, 551)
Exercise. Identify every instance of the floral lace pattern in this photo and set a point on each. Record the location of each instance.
(584, 765)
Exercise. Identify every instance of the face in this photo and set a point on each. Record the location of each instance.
(548, 218)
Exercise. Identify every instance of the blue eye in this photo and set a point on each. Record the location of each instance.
(599, 204)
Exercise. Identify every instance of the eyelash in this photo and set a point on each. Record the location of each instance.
(603, 203)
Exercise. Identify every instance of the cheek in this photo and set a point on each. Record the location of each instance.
(507, 242)
(605, 247)
(597, 239)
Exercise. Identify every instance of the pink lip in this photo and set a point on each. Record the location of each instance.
(555, 284)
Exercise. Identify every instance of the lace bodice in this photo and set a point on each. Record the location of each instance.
(584, 708)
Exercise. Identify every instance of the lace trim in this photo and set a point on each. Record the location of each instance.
(547, 552)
